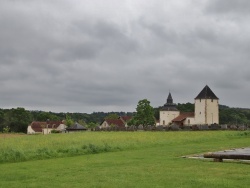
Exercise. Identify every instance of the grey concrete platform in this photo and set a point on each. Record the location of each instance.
(241, 153)
(236, 154)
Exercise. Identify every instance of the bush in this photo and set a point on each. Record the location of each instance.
(55, 131)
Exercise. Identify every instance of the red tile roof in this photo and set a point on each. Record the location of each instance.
(117, 122)
(37, 126)
(126, 118)
(183, 116)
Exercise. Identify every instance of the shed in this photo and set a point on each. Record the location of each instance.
(76, 127)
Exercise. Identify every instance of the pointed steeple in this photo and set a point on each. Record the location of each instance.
(206, 93)
(169, 105)
(169, 99)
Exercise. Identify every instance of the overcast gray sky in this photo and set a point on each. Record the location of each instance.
(93, 55)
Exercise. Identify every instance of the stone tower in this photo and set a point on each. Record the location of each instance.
(206, 107)
(168, 112)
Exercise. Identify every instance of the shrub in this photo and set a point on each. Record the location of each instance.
(55, 131)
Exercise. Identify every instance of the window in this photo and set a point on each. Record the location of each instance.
(212, 100)
(163, 122)
(188, 121)
(200, 100)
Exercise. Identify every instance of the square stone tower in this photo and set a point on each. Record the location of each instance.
(206, 107)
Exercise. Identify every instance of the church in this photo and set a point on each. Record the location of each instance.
(206, 111)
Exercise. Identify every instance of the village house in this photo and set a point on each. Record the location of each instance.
(125, 120)
(206, 111)
(45, 127)
(121, 122)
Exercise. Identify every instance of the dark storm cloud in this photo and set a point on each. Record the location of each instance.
(87, 56)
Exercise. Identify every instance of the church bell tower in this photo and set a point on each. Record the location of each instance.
(168, 112)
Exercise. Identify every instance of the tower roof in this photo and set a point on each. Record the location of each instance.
(169, 105)
(206, 93)
(169, 99)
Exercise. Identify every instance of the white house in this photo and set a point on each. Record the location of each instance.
(39, 127)
(112, 122)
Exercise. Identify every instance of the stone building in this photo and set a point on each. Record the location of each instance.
(206, 110)
(206, 107)
(168, 112)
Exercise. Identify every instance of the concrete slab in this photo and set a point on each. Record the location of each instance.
(240, 153)
(235, 154)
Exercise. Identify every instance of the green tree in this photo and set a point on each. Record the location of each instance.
(17, 119)
(68, 121)
(144, 114)
(43, 116)
(81, 122)
(157, 113)
(1, 120)
(112, 116)
(188, 107)
(92, 125)
(6, 129)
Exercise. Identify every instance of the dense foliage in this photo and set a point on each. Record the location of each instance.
(144, 114)
(18, 119)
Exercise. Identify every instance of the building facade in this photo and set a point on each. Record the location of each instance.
(206, 107)
(45, 127)
(168, 112)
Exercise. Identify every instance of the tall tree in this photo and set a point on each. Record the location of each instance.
(17, 119)
(43, 116)
(69, 121)
(144, 114)
(92, 125)
(1, 120)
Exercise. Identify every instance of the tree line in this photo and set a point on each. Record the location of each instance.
(18, 119)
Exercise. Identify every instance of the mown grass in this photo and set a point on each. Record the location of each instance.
(142, 159)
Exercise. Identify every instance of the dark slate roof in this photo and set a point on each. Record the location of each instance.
(206, 93)
(169, 99)
(76, 126)
(169, 105)
(169, 108)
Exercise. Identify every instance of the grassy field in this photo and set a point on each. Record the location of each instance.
(121, 159)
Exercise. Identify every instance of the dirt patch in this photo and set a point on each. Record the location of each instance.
(4, 135)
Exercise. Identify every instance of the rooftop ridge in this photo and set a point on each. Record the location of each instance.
(206, 93)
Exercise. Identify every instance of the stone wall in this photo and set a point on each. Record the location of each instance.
(174, 127)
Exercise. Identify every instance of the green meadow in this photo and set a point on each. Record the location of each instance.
(121, 159)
